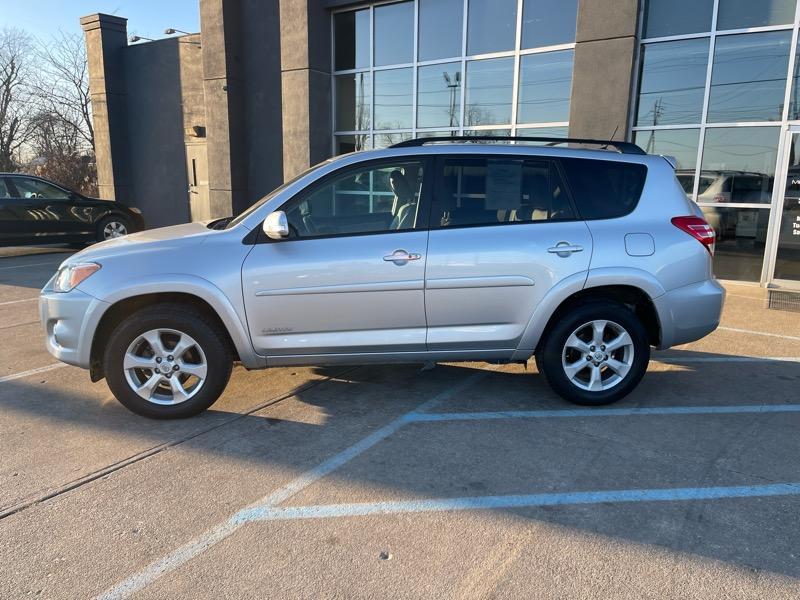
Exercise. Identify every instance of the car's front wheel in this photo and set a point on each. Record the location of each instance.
(112, 227)
(167, 361)
(595, 354)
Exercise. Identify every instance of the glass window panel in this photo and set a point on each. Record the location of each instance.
(787, 263)
(492, 26)
(440, 28)
(794, 104)
(34, 188)
(739, 164)
(672, 82)
(548, 22)
(489, 92)
(353, 93)
(681, 144)
(676, 17)
(749, 77)
(393, 99)
(352, 143)
(394, 34)
(487, 132)
(741, 238)
(447, 133)
(439, 95)
(545, 81)
(351, 35)
(559, 132)
(738, 14)
(384, 140)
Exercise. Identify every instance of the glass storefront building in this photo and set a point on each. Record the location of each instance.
(716, 86)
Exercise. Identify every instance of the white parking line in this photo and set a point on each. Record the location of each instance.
(720, 359)
(775, 335)
(40, 264)
(32, 372)
(211, 537)
(18, 301)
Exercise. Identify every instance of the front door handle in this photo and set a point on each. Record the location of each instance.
(564, 249)
(401, 257)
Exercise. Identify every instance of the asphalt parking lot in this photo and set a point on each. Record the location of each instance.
(464, 481)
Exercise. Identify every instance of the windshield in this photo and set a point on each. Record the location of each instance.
(241, 217)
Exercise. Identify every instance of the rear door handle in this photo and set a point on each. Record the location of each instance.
(564, 249)
(401, 257)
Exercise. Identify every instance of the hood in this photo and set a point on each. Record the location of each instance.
(176, 236)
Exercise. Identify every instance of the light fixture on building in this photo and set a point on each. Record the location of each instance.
(170, 31)
(138, 38)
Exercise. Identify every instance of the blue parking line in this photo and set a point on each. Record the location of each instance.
(604, 412)
(504, 502)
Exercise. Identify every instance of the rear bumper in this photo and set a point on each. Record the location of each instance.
(69, 320)
(690, 312)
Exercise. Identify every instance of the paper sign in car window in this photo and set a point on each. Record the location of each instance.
(503, 185)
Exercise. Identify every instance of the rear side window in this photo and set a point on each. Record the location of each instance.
(604, 189)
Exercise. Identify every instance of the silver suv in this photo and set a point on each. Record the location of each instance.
(431, 250)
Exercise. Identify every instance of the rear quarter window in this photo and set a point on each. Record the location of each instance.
(604, 189)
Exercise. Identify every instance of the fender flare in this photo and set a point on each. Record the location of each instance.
(234, 323)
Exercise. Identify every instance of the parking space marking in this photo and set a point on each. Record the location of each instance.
(39, 264)
(218, 533)
(605, 412)
(722, 359)
(750, 331)
(35, 371)
(18, 301)
(287, 513)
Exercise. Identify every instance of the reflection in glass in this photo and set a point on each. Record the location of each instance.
(393, 99)
(672, 82)
(489, 92)
(440, 28)
(491, 26)
(787, 262)
(394, 33)
(749, 77)
(439, 95)
(351, 35)
(548, 22)
(487, 132)
(676, 17)
(353, 93)
(544, 87)
(558, 132)
(738, 165)
(738, 14)
(741, 238)
(352, 143)
(384, 140)
(681, 144)
(794, 103)
(448, 133)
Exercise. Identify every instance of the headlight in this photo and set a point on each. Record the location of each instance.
(71, 275)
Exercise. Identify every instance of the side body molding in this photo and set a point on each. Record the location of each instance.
(235, 324)
(584, 280)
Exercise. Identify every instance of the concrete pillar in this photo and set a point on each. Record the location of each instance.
(223, 86)
(305, 84)
(106, 39)
(603, 74)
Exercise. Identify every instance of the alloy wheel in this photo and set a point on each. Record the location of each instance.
(597, 355)
(114, 229)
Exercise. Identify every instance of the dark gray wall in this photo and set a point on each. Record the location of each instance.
(157, 158)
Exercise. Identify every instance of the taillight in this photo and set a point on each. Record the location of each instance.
(698, 229)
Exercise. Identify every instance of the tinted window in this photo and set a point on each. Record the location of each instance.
(681, 144)
(440, 28)
(393, 99)
(353, 99)
(351, 32)
(373, 199)
(439, 95)
(394, 34)
(492, 26)
(495, 191)
(738, 14)
(489, 92)
(548, 22)
(4, 193)
(675, 17)
(545, 81)
(33, 188)
(604, 189)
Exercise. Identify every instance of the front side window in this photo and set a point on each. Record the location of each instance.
(495, 191)
(34, 188)
(4, 193)
(375, 199)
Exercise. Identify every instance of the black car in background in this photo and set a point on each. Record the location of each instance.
(36, 211)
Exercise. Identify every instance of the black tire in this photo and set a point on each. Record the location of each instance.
(183, 318)
(101, 236)
(552, 350)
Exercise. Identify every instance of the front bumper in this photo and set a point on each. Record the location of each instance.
(690, 312)
(70, 320)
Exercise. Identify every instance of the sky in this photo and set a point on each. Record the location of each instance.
(148, 18)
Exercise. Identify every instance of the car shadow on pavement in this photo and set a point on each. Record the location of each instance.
(452, 459)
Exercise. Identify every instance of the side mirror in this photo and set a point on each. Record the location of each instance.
(276, 225)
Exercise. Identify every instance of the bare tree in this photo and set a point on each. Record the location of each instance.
(15, 106)
(62, 84)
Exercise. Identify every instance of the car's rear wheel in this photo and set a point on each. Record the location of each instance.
(112, 227)
(595, 354)
(167, 361)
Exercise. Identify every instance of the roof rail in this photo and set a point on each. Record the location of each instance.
(621, 147)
